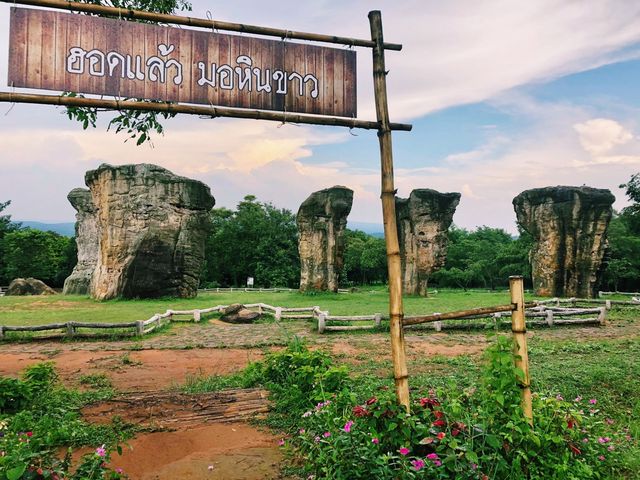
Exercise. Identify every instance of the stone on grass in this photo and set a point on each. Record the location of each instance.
(29, 286)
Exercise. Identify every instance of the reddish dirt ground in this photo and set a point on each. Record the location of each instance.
(135, 370)
(235, 451)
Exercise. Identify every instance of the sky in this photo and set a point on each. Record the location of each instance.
(503, 96)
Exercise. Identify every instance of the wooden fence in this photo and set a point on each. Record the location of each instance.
(539, 313)
(632, 294)
(261, 290)
(143, 327)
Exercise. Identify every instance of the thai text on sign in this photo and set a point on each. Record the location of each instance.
(85, 54)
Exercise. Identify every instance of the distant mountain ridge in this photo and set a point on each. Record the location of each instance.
(66, 229)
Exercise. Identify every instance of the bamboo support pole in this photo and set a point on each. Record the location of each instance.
(519, 329)
(131, 14)
(398, 351)
(208, 111)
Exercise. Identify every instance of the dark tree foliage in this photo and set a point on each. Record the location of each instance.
(622, 259)
(47, 256)
(483, 258)
(365, 259)
(137, 125)
(256, 240)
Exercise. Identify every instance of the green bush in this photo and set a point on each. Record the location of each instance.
(480, 433)
(37, 416)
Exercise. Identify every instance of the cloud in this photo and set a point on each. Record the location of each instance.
(600, 135)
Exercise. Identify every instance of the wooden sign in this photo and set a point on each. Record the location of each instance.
(85, 54)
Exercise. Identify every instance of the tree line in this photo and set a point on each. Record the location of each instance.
(260, 240)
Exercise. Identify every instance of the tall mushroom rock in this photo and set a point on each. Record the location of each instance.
(423, 220)
(322, 219)
(79, 282)
(151, 231)
(569, 228)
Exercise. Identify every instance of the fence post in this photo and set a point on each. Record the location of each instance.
(519, 329)
(1, 332)
(278, 314)
(197, 315)
(140, 327)
(70, 329)
(602, 316)
(377, 319)
(550, 318)
(607, 304)
(321, 322)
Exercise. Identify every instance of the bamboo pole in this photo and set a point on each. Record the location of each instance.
(398, 351)
(436, 317)
(128, 13)
(203, 110)
(519, 329)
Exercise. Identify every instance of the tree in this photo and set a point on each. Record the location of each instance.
(257, 240)
(484, 258)
(138, 125)
(46, 256)
(6, 226)
(631, 214)
(365, 259)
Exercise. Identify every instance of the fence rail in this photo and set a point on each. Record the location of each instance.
(260, 290)
(633, 294)
(544, 312)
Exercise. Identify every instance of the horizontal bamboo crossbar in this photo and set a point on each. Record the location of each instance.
(208, 111)
(436, 317)
(210, 24)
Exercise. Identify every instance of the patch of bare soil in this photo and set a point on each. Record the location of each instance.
(225, 451)
(135, 370)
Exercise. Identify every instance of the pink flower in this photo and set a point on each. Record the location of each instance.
(559, 397)
(611, 448)
(610, 421)
(433, 456)
(375, 440)
(100, 451)
(585, 440)
(306, 414)
(601, 458)
(317, 439)
(281, 442)
(301, 431)
(604, 440)
(326, 434)
(417, 464)
(29, 434)
(437, 463)
(404, 451)
(577, 399)
(593, 401)
(441, 435)
(347, 426)
(119, 470)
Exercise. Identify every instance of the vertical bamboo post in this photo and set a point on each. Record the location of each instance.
(388, 196)
(519, 329)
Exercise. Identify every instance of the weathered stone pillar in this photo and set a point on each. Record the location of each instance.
(322, 219)
(423, 220)
(78, 283)
(152, 227)
(569, 227)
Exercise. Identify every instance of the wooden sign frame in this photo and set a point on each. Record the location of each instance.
(383, 125)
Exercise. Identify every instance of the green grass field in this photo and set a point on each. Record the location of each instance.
(40, 310)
